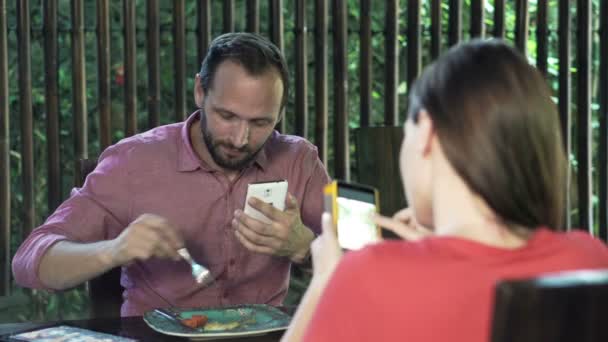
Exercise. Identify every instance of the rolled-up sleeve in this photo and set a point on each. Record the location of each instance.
(97, 211)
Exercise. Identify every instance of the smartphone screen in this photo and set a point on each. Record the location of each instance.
(354, 206)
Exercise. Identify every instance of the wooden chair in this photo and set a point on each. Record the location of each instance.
(568, 306)
(378, 165)
(105, 291)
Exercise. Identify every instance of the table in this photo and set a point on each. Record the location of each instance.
(131, 327)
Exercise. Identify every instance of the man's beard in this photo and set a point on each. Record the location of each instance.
(213, 146)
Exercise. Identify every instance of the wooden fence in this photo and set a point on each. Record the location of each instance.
(396, 27)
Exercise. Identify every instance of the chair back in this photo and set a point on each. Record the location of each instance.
(105, 291)
(377, 157)
(567, 306)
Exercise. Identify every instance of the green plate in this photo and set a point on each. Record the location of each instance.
(232, 321)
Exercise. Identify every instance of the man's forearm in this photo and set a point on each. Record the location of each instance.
(67, 264)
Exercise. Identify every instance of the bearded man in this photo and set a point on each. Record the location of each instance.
(184, 185)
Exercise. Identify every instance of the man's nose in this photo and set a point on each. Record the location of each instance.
(241, 137)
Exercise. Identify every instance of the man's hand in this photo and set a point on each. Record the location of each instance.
(404, 224)
(146, 237)
(284, 235)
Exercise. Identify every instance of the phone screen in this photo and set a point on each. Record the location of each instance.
(355, 207)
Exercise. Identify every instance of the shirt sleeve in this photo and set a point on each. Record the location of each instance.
(311, 206)
(346, 306)
(97, 211)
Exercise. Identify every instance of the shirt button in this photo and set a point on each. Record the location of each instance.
(232, 262)
(225, 295)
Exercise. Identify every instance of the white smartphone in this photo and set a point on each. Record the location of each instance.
(274, 192)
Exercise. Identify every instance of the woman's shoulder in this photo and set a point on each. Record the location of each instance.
(393, 251)
(572, 238)
(583, 240)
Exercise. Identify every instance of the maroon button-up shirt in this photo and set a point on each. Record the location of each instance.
(158, 172)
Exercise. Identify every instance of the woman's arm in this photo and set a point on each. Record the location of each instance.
(304, 314)
(326, 255)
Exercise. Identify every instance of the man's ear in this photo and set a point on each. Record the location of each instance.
(199, 93)
(426, 131)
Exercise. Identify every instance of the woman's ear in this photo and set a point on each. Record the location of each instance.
(199, 93)
(426, 132)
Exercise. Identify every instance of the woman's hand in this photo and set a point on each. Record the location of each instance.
(326, 253)
(404, 224)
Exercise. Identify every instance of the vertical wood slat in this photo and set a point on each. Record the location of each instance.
(276, 36)
(477, 18)
(5, 174)
(153, 61)
(26, 115)
(455, 22)
(499, 18)
(253, 16)
(603, 114)
(542, 36)
(79, 95)
(565, 93)
(301, 77)
(103, 73)
(228, 15)
(521, 25)
(341, 144)
(583, 120)
(321, 79)
(413, 38)
(51, 95)
(179, 58)
(365, 62)
(391, 117)
(130, 68)
(276, 22)
(435, 28)
(203, 27)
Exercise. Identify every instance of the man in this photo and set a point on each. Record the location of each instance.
(184, 185)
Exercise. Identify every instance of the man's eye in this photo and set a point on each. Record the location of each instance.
(261, 123)
(226, 116)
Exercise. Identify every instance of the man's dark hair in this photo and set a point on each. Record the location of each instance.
(255, 53)
(499, 129)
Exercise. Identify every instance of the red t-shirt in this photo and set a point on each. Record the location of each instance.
(437, 289)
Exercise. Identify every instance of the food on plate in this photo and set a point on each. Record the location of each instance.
(195, 322)
(217, 326)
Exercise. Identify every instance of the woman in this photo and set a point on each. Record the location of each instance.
(483, 167)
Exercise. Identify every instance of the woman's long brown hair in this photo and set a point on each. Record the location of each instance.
(499, 128)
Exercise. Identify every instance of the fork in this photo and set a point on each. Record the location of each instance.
(200, 273)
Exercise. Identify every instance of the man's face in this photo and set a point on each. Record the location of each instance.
(239, 113)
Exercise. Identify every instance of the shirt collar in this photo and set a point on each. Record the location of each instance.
(189, 161)
(262, 157)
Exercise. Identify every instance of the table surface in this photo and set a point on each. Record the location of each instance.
(131, 327)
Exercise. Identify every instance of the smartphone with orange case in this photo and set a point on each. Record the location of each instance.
(352, 206)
